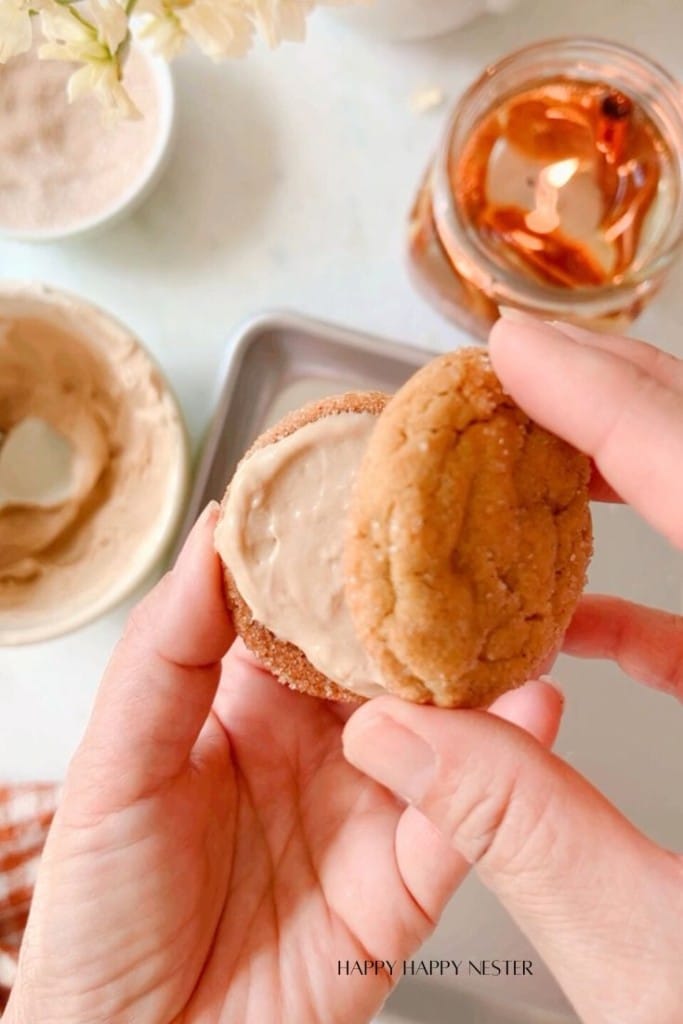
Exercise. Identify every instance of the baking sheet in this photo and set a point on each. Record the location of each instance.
(275, 363)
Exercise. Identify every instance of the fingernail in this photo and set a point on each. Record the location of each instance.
(210, 509)
(557, 687)
(390, 753)
(572, 331)
(207, 513)
(201, 521)
(519, 316)
(194, 538)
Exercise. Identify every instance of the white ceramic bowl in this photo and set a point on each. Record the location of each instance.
(72, 597)
(413, 19)
(139, 188)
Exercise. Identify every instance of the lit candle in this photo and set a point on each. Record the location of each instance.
(556, 189)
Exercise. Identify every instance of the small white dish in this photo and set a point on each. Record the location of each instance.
(138, 189)
(405, 20)
(135, 505)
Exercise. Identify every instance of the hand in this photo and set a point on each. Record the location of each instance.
(213, 864)
(214, 854)
(601, 903)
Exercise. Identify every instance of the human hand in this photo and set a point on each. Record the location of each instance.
(601, 903)
(214, 855)
(213, 865)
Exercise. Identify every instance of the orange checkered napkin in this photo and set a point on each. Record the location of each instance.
(25, 815)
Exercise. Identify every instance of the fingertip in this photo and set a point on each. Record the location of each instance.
(536, 708)
(511, 327)
(518, 337)
(371, 715)
(194, 624)
(513, 349)
(392, 744)
(502, 333)
(197, 540)
(365, 714)
(198, 555)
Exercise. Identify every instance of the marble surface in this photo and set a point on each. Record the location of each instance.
(290, 180)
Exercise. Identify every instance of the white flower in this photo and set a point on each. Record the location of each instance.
(103, 80)
(221, 28)
(98, 31)
(111, 21)
(157, 23)
(282, 19)
(95, 42)
(16, 34)
(94, 34)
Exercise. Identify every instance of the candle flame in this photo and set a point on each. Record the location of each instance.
(545, 217)
(560, 173)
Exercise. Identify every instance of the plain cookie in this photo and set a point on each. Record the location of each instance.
(469, 537)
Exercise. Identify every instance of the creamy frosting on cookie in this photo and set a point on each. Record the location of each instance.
(282, 536)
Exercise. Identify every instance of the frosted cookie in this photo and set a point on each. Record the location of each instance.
(468, 539)
(280, 536)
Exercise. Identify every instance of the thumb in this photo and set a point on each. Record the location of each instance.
(158, 689)
(585, 886)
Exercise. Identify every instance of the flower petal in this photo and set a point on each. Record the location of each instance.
(220, 29)
(119, 104)
(162, 30)
(281, 20)
(81, 82)
(16, 34)
(110, 21)
(59, 25)
(102, 79)
(88, 49)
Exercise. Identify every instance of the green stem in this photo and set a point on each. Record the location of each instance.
(79, 17)
(122, 53)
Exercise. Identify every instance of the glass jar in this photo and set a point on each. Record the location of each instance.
(557, 189)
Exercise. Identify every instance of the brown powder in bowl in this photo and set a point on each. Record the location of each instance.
(61, 164)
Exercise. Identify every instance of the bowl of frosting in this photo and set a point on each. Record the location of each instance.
(93, 463)
(65, 169)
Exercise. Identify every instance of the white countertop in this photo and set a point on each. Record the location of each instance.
(289, 186)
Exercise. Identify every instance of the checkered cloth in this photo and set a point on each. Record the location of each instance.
(25, 815)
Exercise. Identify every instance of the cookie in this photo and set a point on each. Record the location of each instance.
(469, 537)
(283, 657)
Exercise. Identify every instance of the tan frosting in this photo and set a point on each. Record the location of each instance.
(282, 535)
(46, 373)
(111, 404)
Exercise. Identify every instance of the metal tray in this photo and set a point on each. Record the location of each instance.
(274, 363)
